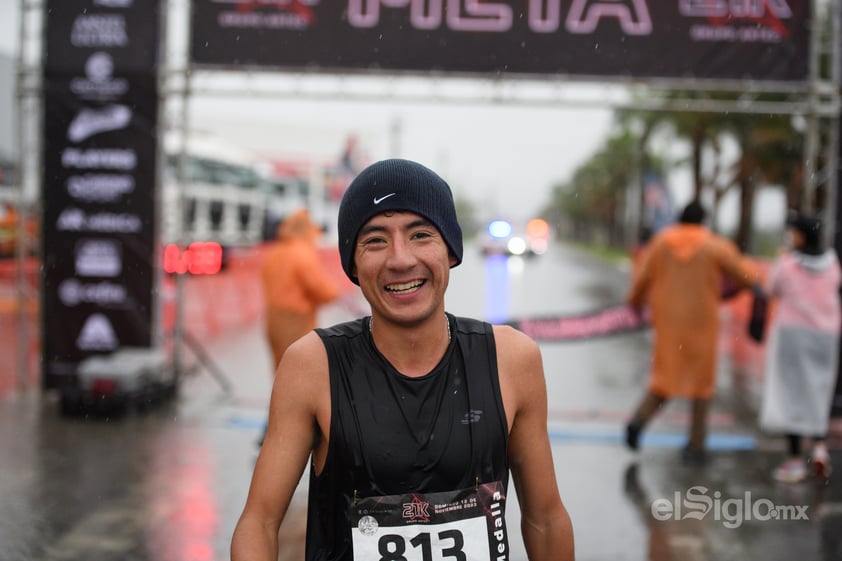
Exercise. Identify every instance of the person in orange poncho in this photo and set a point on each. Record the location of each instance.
(681, 279)
(294, 283)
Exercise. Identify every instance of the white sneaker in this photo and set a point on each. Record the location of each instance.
(821, 461)
(791, 471)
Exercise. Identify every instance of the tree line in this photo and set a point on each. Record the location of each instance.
(604, 200)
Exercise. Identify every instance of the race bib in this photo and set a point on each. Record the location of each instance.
(464, 525)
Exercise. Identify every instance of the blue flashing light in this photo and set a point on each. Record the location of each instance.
(500, 229)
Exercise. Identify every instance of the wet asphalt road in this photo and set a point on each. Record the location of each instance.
(169, 484)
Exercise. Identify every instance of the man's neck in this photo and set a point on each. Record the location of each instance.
(412, 350)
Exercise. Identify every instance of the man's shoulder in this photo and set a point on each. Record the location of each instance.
(724, 248)
(513, 340)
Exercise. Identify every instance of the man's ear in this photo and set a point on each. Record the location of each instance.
(452, 259)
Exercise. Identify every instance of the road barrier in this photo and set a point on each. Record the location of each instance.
(213, 305)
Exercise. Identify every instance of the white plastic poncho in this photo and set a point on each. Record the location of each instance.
(803, 347)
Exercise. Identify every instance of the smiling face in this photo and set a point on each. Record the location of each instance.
(403, 265)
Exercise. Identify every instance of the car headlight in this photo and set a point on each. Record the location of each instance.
(516, 246)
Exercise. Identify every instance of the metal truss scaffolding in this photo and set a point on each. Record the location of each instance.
(28, 123)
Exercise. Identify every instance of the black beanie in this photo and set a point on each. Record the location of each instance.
(396, 185)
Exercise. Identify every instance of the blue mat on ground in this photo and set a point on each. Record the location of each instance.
(716, 441)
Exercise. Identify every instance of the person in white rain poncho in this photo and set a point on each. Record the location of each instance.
(803, 347)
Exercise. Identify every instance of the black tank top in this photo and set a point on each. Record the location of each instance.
(391, 434)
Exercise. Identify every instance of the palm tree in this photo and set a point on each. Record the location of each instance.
(700, 129)
(594, 201)
(770, 153)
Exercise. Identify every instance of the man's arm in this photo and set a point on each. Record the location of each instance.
(299, 395)
(545, 524)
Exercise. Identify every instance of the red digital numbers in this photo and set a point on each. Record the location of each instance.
(199, 258)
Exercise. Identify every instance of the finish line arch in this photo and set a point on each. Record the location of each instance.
(323, 49)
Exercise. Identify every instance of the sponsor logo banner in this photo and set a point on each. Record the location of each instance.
(121, 37)
(681, 39)
(100, 158)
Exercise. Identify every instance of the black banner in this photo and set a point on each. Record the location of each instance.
(100, 148)
(764, 40)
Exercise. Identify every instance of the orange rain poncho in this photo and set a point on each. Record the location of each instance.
(294, 283)
(681, 277)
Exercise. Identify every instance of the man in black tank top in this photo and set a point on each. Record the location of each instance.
(411, 419)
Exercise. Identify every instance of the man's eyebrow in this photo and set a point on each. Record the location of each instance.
(369, 228)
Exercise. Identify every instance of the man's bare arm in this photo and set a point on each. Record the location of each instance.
(545, 524)
(298, 394)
